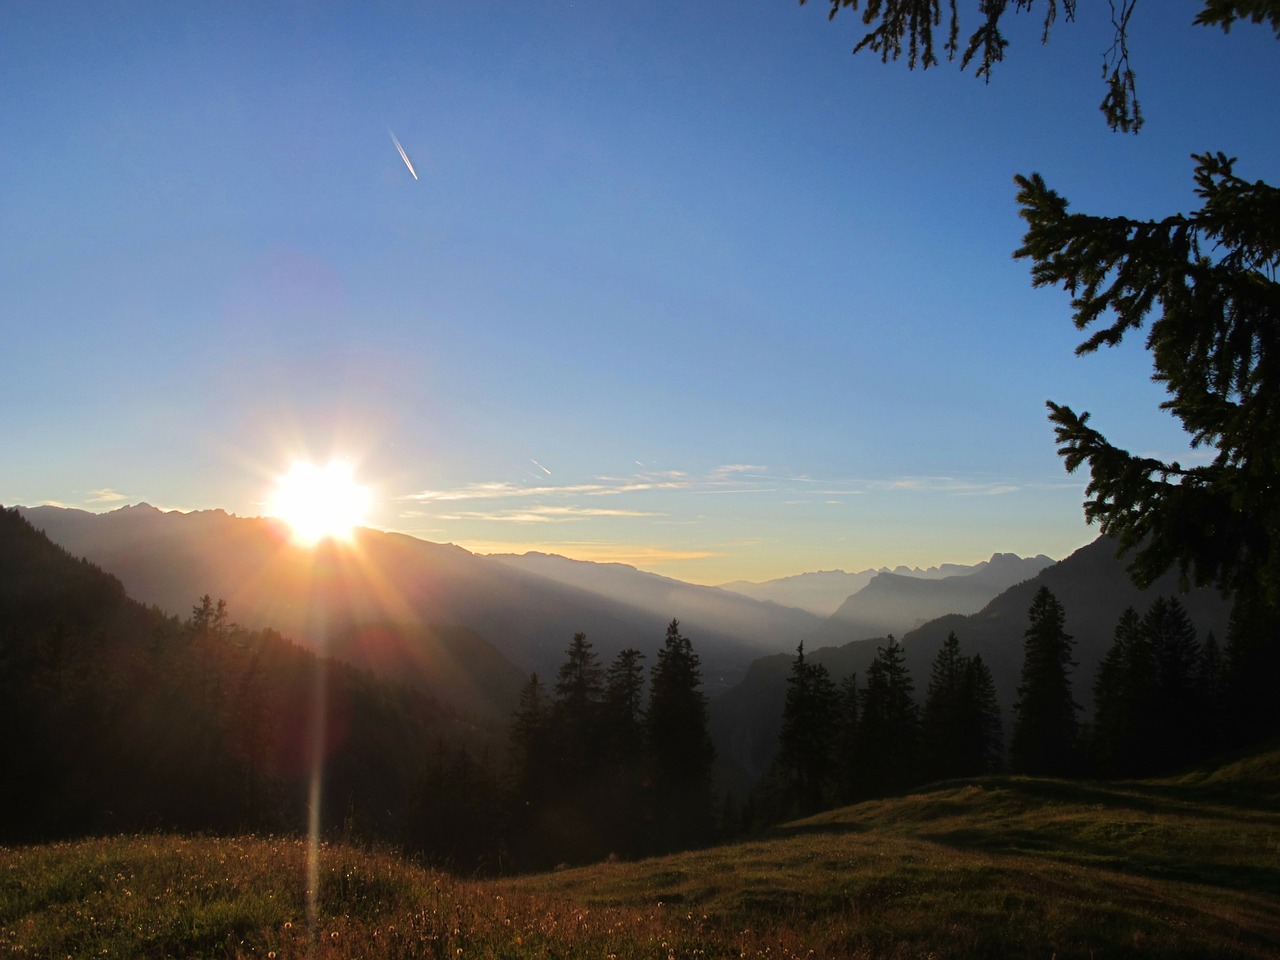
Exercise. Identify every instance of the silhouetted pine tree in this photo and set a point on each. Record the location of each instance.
(581, 815)
(846, 739)
(623, 707)
(943, 707)
(1176, 708)
(887, 747)
(984, 729)
(1120, 739)
(680, 748)
(534, 783)
(960, 726)
(806, 742)
(1045, 730)
(576, 712)
(624, 787)
(531, 761)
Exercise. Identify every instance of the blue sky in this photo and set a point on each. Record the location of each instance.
(682, 285)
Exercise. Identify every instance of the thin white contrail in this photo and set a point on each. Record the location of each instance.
(403, 156)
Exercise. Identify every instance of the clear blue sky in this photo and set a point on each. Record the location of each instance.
(680, 284)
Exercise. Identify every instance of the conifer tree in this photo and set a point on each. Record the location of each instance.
(846, 739)
(943, 707)
(623, 713)
(623, 791)
(887, 747)
(984, 730)
(1204, 286)
(576, 710)
(679, 743)
(806, 741)
(1045, 728)
(530, 739)
(578, 821)
(891, 22)
(1175, 706)
(532, 774)
(1121, 735)
(580, 681)
(960, 726)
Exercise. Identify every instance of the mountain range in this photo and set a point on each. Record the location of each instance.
(468, 628)
(1091, 584)
(823, 591)
(528, 607)
(895, 603)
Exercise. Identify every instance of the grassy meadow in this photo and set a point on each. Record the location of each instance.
(998, 867)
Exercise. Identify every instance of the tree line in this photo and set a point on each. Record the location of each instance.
(1162, 700)
(120, 718)
(841, 743)
(601, 766)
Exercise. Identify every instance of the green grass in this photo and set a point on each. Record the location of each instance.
(1000, 867)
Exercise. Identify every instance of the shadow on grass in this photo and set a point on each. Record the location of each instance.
(1148, 797)
(1184, 806)
(1153, 829)
(1152, 864)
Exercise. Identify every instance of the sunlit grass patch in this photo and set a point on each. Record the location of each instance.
(1005, 867)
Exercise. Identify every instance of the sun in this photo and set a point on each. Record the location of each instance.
(319, 503)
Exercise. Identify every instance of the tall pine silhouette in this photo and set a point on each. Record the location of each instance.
(680, 748)
(960, 728)
(1045, 729)
(887, 742)
(806, 742)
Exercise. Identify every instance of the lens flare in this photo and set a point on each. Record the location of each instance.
(319, 503)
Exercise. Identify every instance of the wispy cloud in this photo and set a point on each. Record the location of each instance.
(544, 514)
(105, 495)
(955, 486)
(499, 501)
(599, 487)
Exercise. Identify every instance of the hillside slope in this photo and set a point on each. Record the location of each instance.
(1000, 867)
(118, 718)
(171, 558)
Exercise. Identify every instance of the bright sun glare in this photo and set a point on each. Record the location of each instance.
(319, 503)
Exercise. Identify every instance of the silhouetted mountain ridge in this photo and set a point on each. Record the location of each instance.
(1091, 584)
(822, 592)
(894, 603)
(530, 615)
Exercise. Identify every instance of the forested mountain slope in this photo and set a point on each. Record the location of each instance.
(1092, 585)
(166, 558)
(119, 718)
